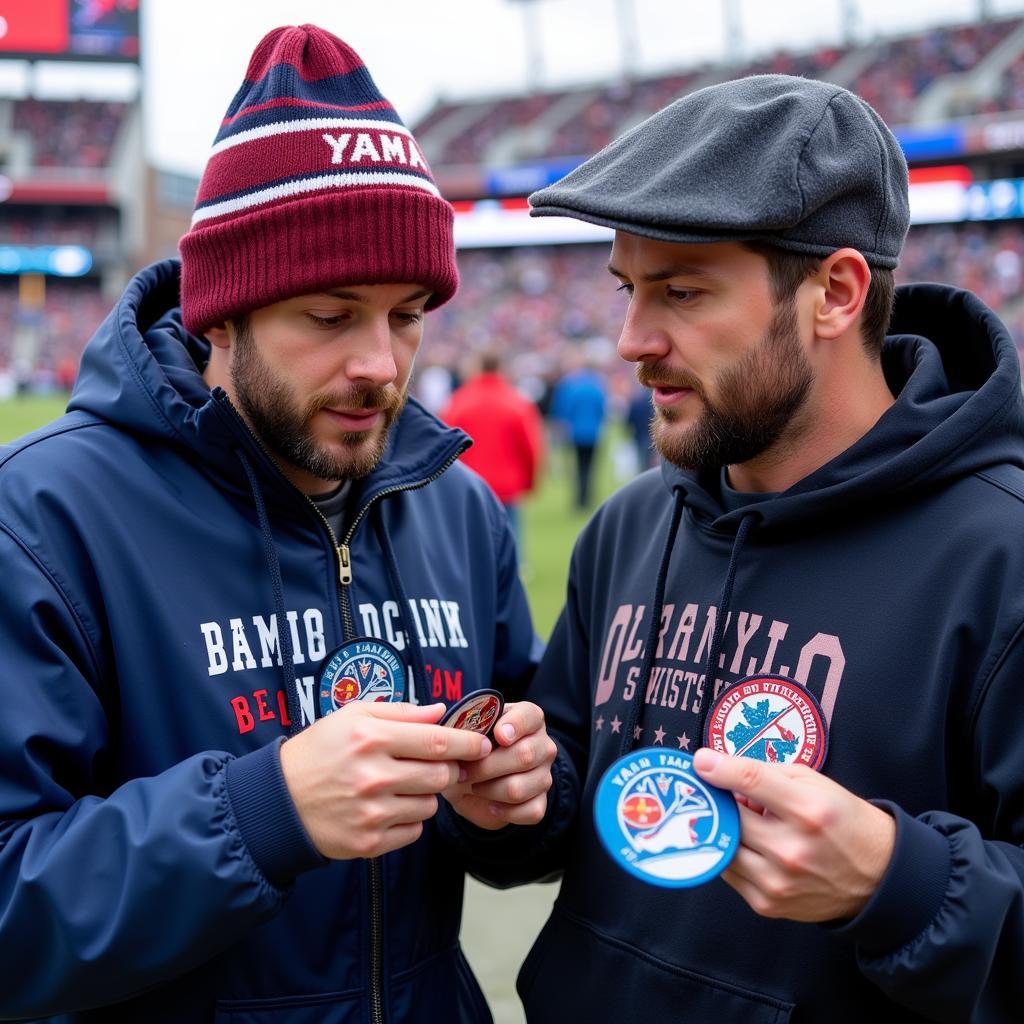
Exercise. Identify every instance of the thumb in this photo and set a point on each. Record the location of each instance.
(401, 711)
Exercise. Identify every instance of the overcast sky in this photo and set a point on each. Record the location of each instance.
(195, 51)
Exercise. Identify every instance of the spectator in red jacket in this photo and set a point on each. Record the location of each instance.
(508, 439)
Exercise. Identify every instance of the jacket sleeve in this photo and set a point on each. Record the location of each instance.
(105, 891)
(518, 854)
(944, 933)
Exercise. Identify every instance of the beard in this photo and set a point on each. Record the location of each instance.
(282, 421)
(758, 398)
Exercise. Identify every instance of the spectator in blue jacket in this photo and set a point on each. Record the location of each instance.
(236, 603)
(579, 405)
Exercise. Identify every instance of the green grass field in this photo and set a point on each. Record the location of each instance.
(550, 524)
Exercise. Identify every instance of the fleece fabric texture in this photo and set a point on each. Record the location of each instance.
(888, 582)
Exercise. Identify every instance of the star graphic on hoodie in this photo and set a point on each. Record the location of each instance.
(684, 742)
(636, 732)
(600, 723)
(616, 724)
(659, 735)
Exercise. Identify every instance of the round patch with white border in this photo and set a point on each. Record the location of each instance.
(769, 718)
(363, 669)
(477, 711)
(662, 823)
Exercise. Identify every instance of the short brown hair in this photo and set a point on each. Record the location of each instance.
(788, 270)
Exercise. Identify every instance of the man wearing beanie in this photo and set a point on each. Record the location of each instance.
(815, 603)
(238, 597)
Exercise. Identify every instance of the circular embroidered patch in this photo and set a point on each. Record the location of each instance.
(662, 823)
(771, 719)
(364, 669)
(477, 711)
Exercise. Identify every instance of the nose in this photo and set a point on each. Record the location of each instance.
(642, 339)
(369, 355)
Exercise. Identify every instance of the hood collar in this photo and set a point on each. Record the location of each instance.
(954, 370)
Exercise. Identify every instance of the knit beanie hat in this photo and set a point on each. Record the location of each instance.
(314, 182)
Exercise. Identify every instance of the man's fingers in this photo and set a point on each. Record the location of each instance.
(398, 836)
(765, 784)
(436, 742)
(400, 711)
(528, 813)
(525, 755)
(515, 789)
(418, 777)
(518, 720)
(475, 809)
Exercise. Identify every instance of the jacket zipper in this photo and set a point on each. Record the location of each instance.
(342, 549)
(373, 863)
(376, 942)
(348, 623)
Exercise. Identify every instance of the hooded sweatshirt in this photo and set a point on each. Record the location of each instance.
(150, 855)
(890, 582)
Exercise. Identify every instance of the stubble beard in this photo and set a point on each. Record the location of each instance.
(759, 397)
(283, 424)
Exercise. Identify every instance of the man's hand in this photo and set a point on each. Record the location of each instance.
(365, 778)
(815, 853)
(510, 785)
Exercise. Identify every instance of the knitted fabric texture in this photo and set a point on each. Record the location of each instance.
(314, 183)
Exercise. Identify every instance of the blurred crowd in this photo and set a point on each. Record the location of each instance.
(69, 133)
(550, 310)
(579, 122)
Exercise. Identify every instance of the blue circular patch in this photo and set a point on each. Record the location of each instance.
(365, 669)
(662, 822)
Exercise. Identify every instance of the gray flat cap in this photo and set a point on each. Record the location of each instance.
(804, 165)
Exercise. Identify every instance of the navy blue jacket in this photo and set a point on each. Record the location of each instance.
(890, 582)
(150, 855)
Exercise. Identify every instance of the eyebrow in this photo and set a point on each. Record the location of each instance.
(677, 270)
(347, 296)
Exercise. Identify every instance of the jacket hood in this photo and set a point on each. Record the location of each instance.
(954, 370)
(142, 372)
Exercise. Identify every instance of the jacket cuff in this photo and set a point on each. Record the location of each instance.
(266, 816)
(912, 889)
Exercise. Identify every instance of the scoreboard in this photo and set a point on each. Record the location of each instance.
(106, 30)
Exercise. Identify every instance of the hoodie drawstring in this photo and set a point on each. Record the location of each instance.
(647, 665)
(415, 651)
(711, 666)
(274, 565)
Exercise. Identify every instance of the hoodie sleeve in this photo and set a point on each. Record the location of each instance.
(515, 854)
(944, 933)
(104, 892)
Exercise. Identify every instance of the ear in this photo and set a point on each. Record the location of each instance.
(845, 278)
(219, 335)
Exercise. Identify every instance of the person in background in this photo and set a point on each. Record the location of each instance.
(639, 420)
(578, 405)
(507, 433)
(243, 577)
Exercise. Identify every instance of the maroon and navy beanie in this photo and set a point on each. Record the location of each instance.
(313, 182)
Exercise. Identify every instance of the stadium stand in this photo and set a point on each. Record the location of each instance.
(547, 304)
(893, 75)
(543, 305)
(69, 134)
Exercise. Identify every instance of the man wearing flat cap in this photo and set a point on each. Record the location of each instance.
(814, 605)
